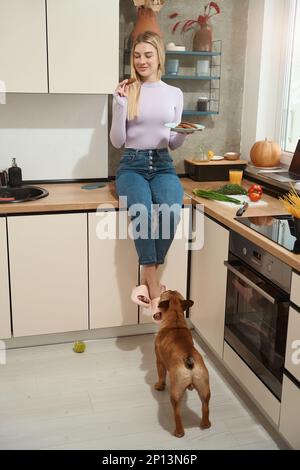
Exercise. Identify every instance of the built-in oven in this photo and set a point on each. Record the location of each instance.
(257, 308)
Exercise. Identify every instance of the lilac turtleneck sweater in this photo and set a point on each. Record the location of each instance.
(159, 103)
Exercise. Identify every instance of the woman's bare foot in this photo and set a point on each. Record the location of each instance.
(148, 277)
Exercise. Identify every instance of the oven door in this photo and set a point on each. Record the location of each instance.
(256, 320)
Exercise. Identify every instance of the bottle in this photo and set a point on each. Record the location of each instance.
(14, 174)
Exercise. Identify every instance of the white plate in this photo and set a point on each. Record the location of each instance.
(215, 158)
(262, 168)
(180, 130)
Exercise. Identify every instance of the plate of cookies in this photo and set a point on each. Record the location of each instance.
(184, 127)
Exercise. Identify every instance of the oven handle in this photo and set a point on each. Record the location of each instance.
(258, 289)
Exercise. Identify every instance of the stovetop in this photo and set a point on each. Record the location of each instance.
(278, 228)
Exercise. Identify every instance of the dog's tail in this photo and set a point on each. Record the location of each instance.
(189, 362)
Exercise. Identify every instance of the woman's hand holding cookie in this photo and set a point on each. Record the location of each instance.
(122, 88)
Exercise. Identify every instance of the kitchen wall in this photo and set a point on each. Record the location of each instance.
(55, 136)
(223, 132)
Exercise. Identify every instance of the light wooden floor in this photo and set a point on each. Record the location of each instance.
(52, 398)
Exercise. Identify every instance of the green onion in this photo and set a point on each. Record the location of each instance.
(213, 195)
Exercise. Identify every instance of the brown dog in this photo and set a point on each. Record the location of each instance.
(176, 354)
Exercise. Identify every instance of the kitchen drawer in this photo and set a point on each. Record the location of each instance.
(292, 355)
(264, 398)
(289, 425)
(295, 289)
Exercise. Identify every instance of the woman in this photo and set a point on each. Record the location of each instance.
(146, 174)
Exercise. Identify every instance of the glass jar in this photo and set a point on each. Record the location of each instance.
(202, 104)
(200, 155)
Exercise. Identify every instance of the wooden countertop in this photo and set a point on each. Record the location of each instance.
(67, 197)
(226, 215)
(217, 162)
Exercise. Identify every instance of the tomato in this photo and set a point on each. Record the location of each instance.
(254, 197)
(255, 188)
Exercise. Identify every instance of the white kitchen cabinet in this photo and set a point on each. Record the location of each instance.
(5, 327)
(264, 398)
(74, 45)
(292, 354)
(49, 273)
(290, 401)
(295, 289)
(23, 48)
(173, 273)
(208, 285)
(113, 271)
(290, 412)
(83, 46)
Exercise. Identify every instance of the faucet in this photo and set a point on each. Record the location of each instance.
(3, 178)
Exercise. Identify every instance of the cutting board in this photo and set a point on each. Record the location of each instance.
(243, 199)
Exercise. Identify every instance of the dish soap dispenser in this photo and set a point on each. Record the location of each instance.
(14, 174)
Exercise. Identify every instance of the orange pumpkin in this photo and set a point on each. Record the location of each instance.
(265, 153)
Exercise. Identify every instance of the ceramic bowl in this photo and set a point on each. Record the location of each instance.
(232, 156)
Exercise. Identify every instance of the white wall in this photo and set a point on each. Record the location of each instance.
(55, 136)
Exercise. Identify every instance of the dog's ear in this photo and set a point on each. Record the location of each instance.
(164, 304)
(186, 304)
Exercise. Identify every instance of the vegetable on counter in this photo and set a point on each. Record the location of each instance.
(255, 192)
(213, 195)
(231, 189)
(255, 188)
(254, 197)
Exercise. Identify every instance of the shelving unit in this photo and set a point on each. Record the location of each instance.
(187, 67)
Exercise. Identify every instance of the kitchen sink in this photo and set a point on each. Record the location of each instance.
(21, 194)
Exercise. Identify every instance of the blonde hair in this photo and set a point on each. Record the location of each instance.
(135, 89)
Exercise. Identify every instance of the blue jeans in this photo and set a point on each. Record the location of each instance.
(148, 177)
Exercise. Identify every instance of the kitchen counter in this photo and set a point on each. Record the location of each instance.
(65, 197)
(71, 197)
(225, 215)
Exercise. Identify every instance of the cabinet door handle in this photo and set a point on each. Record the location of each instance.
(259, 290)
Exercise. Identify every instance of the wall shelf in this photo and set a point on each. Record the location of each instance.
(191, 77)
(209, 84)
(191, 112)
(193, 53)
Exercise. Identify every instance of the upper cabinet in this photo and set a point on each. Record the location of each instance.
(83, 46)
(23, 49)
(59, 46)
